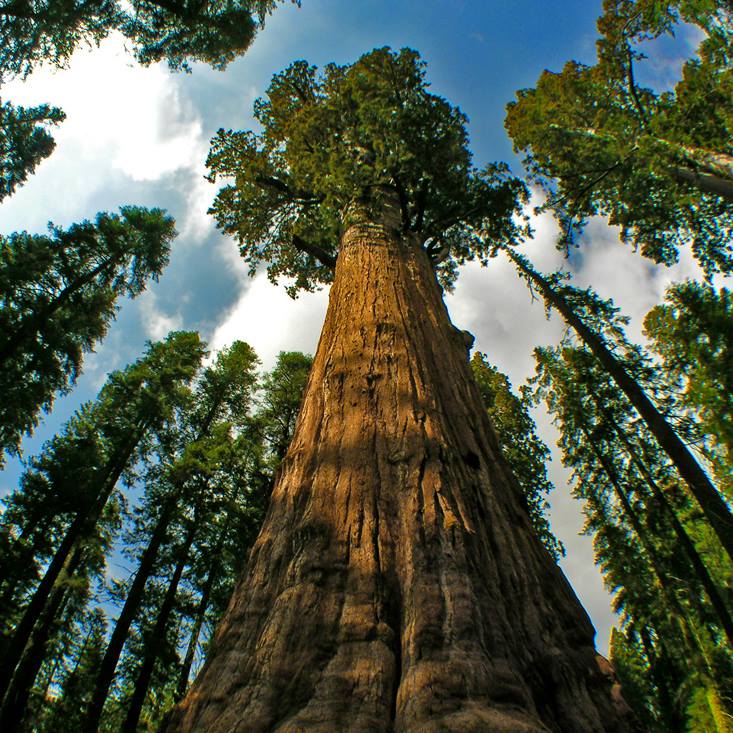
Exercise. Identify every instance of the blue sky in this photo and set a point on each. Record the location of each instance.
(140, 136)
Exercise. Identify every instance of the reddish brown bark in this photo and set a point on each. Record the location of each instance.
(396, 584)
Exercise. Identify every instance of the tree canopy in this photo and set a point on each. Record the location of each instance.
(58, 294)
(659, 164)
(348, 139)
(24, 142)
(177, 31)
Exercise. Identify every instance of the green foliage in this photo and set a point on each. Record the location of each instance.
(693, 333)
(673, 634)
(58, 294)
(632, 670)
(347, 143)
(82, 518)
(279, 404)
(24, 142)
(526, 454)
(657, 164)
(203, 472)
(76, 671)
(177, 31)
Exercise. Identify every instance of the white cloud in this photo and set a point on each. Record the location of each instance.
(155, 322)
(270, 321)
(123, 121)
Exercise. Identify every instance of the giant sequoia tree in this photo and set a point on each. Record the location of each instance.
(397, 583)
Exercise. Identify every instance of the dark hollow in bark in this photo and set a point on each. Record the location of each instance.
(396, 584)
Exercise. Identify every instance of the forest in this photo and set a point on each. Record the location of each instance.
(366, 369)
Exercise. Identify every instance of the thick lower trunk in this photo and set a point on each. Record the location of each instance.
(396, 584)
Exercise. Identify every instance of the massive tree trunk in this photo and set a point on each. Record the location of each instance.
(396, 584)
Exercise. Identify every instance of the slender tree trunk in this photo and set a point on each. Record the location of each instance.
(663, 672)
(16, 698)
(711, 502)
(124, 621)
(654, 560)
(157, 637)
(397, 584)
(706, 182)
(199, 616)
(687, 545)
(711, 171)
(82, 525)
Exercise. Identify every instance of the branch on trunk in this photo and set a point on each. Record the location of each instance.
(404, 205)
(420, 206)
(304, 197)
(18, 9)
(315, 250)
(707, 182)
(644, 117)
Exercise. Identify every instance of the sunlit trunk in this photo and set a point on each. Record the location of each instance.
(397, 584)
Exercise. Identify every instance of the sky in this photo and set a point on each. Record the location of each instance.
(137, 135)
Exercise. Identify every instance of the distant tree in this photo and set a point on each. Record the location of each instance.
(58, 294)
(132, 404)
(221, 554)
(79, 671)
(279, 403)
(659, 165)
(644, 535)
(692, 331)
(597, 324)
(177, 31)
(185, 458)
(526, 454)
(24, 142)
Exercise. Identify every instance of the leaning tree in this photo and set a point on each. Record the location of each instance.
(396, 583)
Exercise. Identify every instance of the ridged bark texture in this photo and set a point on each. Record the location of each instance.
(396, 584)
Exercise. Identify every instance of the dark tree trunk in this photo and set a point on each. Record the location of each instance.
(157, 637)
(712, 504)
(397, 584)
(80, 528)
(124, 621)
(662, 673)
(706, 182)
(199, 617)
(687, 545)
(654, 560)
(16, 698)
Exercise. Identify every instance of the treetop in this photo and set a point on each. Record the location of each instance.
(350, 135)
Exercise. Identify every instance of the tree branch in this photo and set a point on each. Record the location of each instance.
(644, 117)
(314, 250)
